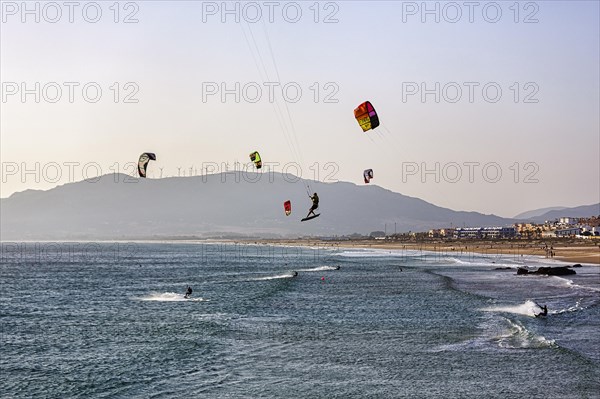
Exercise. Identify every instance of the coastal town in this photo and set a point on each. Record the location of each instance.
(567, 239)
(564, 227)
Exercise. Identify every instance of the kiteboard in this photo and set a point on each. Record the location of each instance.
(310, 217)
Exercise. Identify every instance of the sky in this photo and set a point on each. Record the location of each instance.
(484, 106)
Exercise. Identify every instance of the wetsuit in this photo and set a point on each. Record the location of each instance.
(315, 205)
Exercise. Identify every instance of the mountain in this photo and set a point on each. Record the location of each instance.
(576, 212)
(117, 206)
(538, 212)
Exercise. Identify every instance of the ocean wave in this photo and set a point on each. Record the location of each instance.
(518, 337)
(565, 282)
(279, 276)
(504, 334)
(571, 284)
(580, 305)
(376, 253)
(319, 269)
(170, 297)
(455, 257)
(528, 308)
(478, 261)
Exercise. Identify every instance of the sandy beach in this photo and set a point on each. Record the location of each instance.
(570, 251)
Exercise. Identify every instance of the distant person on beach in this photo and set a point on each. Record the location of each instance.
(188, 292)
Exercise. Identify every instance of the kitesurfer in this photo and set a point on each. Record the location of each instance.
(544, 311)
(188, 292)
(294, 274)
(315, 205)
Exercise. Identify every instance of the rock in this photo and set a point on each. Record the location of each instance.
(576, 265)
(555, 271)
(548, 271)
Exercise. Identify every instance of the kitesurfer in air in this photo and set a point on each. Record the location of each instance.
(188, 292)
(544, 311)
(315, 204)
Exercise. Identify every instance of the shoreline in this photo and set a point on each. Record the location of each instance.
(568, 252)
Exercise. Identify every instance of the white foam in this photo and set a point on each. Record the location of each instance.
(518, 337)
(571, 284)
(378, 253)
(578, 306)
(170, 297)
(466, 258)
(478, 261)
(288, 275)
(529, 308)
(318, 269)
(502, 333)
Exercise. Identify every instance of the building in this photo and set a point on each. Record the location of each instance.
(571, 232)
(548, 234)
(448, 232)
(441, 233)
(568, 221)
(524, 228)
(377, 234)
(483, 233)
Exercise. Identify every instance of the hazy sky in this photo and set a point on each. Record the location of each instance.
(484, 106)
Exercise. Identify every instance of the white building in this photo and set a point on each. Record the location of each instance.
(568, 220)
(568, 232)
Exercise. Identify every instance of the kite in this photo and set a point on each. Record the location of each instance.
(143, 162)
(255, 157)
(368, 175)
(287, 206)
(366, 116)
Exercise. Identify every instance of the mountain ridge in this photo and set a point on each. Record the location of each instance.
(538, 212)
(120, 206)
(575, 212)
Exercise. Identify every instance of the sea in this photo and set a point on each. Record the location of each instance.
(110, 320)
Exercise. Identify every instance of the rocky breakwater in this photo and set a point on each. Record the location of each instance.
(548, 271)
